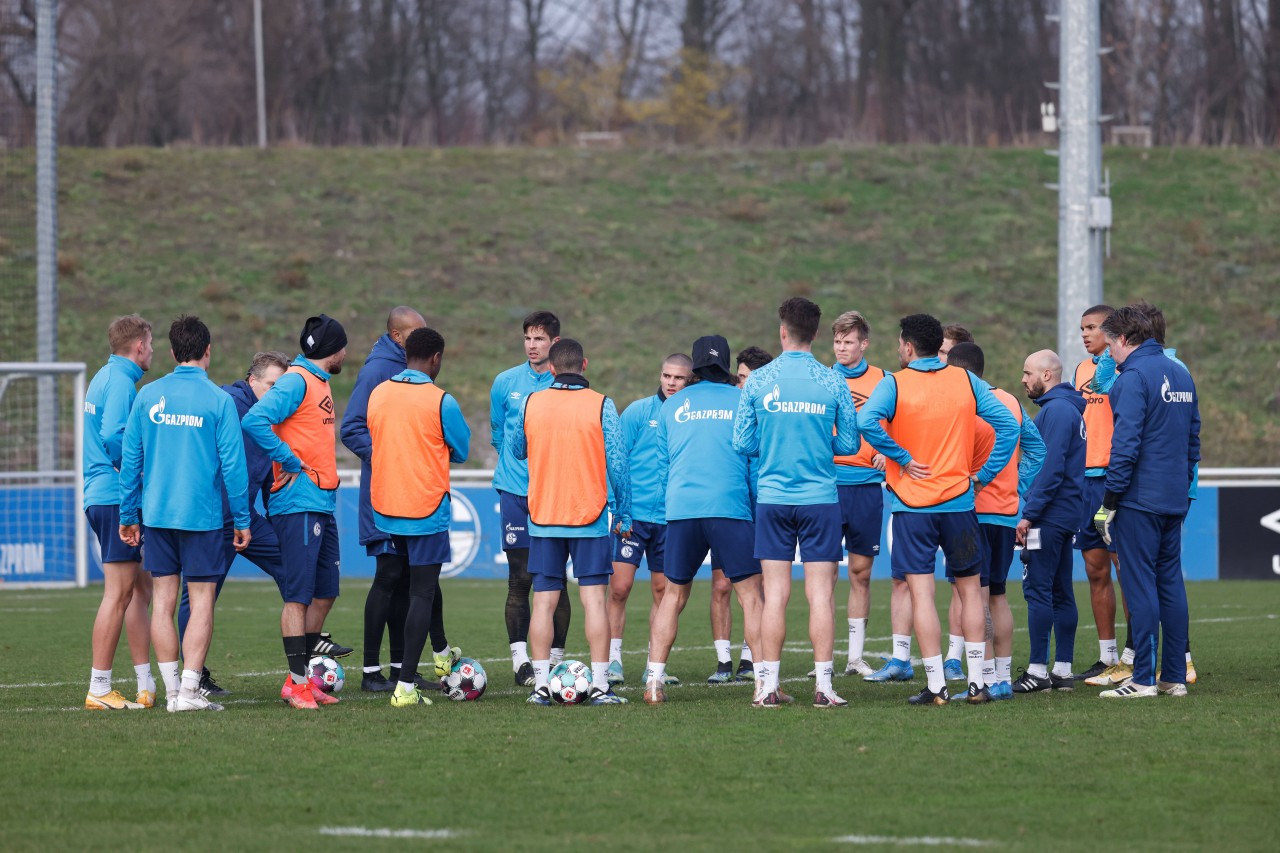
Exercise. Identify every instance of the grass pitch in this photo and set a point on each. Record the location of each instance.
(705, 771)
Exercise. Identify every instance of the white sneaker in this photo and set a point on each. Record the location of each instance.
(1130, 691)
(171, 702)
(196, 702)
(858, 667)
(1168, 688)
(828, 699)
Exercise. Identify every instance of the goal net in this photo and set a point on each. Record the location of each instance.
(42, 526)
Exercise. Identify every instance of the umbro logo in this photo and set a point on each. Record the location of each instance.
(327, 405)
(859, 399)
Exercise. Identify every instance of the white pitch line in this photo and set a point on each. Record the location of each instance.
(922, 841)
(383, 832)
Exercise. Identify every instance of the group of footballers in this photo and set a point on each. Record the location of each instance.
(749, 466)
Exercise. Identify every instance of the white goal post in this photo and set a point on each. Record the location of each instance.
(43, 532)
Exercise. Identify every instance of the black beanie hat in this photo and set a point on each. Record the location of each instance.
(321, 337)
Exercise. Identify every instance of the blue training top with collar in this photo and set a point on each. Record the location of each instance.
(385, 360)
(506, 404)
(107, 402)
(703, 476)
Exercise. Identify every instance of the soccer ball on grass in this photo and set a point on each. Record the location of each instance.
(465, 682)
(570, 682)
(326, 674)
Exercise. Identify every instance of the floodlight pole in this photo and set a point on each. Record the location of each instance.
(46, 349)
(261, 76)
(1084, 212)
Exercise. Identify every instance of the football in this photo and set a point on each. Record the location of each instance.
(326, 674)
(570, 682)
(465, 682)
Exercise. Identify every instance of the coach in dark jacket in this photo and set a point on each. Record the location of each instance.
(1053, 511)
(1154, 451)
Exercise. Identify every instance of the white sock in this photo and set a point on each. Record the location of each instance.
(974, 653)
(370, 669)
(746, 654)
(902, 647)
(1004, 668)
(1127, 657)
(955, 646)
(99, 681)
(171, 674)
(823, 671)
(405, 686)
(557, 656)
(1188, 657)
(519, 655)
(441, 652)
(145, 679)
(600, 675)
(1039, 670)
(540, 670)
(1107, 652)
(1061, 669)
(857, 638)
(190, 682)
(771, 676)
(724, 653)
(933, 671)
(989, 672)
(395, 667)
(615, 649)
(657, 670)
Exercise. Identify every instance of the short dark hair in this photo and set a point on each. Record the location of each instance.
(922, 331)
(957, 333)
(189, 338)
(1156, 316)
(679, 359)
(544, 320)
(801, 317)
(1104, 310)
(422, 344)
(263, 360)
(1128, 322)
(567, 356)
(754, 357)
(969, 356)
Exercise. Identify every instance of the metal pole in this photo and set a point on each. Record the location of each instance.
(47, 227)
(262, 87)
(1077, 120)
(81, 542)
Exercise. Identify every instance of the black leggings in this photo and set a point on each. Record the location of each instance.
(424, 583)
(387, 605)
(519, 583)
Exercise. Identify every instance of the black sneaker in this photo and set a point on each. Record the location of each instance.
(746, 672)
(975, 695)
(1092, 672)
(376, 682)
(209, 687)
(326, 646)
(418, 681)
(928, 697)
(1062, 682)
(1028, 683)
(524, 675)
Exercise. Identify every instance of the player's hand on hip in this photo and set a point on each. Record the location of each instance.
(285, 480)
(131, 534)
(242, 539)
(878, 462)
(917, 470)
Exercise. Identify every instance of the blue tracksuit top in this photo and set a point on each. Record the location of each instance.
(1156, 443)
(848, 475)
(883, 404)
(256, 462)
(704, 477)
(1105, 377)
(458, 436)
(385, 360)
(640, 438)
(788, 410)
(1031, 457)
(1056, 495)
(302, 495)
(506, 408)
(182, 445)
(615, 457)
(107, 402)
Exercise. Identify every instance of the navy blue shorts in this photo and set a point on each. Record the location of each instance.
(861, 513)
(1087, 539)
(815, 528)
(917, 536)
(195, 554)
(426, 550)
(104, 521)
(263, 550)
(515, 521)
(309, 555)
(379, 548)
(645, 538)
(999, 555)
(730, 541)
(549, 554)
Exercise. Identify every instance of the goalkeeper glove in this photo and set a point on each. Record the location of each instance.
(1102, 520)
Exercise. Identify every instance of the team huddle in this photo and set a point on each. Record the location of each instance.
(749, 466)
